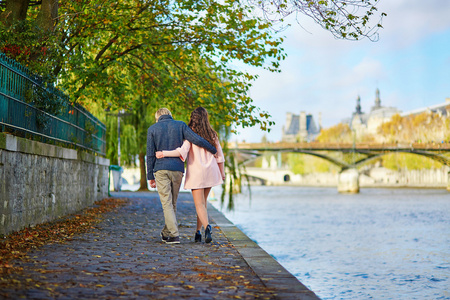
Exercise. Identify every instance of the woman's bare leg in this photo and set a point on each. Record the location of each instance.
(200, 207)
(199, 223)
(206, 191)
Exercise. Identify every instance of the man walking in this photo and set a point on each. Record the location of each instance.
(166, 174)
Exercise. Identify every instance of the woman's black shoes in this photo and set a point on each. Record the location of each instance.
(198, 237)
(208, 237)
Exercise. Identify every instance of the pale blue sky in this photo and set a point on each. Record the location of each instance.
(410, 64)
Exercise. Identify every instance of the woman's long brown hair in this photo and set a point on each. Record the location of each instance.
(199, 123)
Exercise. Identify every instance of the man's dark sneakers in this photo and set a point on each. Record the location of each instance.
(164, 238)
(173, 240)
(208, 237)
(198, 237)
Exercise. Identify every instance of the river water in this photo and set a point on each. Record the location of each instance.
(378, 244)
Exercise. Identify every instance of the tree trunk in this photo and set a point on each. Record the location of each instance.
(48, 14)
(143, 180)
(16, 10)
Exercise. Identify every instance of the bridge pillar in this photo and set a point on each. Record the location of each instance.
(348, 181)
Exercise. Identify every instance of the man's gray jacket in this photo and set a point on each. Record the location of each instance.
(168, 134)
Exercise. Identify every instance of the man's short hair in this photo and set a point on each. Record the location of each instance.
(162, 111)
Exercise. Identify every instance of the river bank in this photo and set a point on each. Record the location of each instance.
(377, 177)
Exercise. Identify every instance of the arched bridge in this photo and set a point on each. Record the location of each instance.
(361, 153)
(367, 151)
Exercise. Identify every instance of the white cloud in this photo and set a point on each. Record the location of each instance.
(406, 23)
(367, 70)
(409, 21)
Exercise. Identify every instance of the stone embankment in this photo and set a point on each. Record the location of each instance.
(41, 182)
(374, 177)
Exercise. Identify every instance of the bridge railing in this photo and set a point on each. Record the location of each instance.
(33, 109)
(341, 146)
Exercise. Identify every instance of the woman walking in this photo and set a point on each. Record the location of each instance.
(203, 171)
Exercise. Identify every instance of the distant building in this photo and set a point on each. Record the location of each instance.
(368, 123)
(300, 128)
(443, 109)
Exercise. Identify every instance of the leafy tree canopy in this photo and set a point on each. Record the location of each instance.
(140, 55)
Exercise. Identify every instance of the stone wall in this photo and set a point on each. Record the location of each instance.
(41, 182)
(374, 177)
(430, 178)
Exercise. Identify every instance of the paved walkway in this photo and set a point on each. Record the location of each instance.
(124, 258)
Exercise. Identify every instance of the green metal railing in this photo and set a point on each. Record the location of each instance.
(31, 108)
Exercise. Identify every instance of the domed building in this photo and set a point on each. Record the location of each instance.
(303, 128)
(368, 123)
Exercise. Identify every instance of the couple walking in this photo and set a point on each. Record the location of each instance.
(169, 144)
